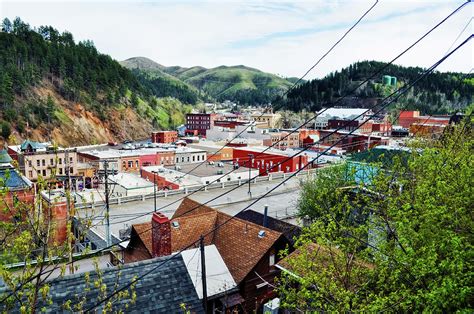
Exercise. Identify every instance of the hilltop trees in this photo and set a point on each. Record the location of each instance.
(401, 241)
(438, 93)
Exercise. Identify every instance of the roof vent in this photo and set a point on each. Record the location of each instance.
(261, 233)
(175, 224)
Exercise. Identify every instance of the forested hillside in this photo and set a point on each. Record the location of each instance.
(153, 77)
(54, 88)
(435, 94)
(237, 83)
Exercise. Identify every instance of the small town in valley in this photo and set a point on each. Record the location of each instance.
(136, 187)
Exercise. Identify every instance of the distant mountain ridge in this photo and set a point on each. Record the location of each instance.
(238, 83)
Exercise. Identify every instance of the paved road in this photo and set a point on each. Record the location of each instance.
(282, 203)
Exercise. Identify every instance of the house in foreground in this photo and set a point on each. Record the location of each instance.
(248, 250)
(165, 288)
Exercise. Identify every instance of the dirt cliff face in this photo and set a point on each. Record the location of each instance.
(78, 126)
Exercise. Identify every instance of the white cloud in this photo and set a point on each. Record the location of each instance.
(279, 37)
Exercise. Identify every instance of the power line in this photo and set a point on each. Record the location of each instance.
(294, 84)
(460, 33)
(333, 104)
(405, 89)
(426, 34)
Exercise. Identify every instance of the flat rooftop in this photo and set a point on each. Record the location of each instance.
(130, 181)
(206, 170)
(119, 153)
(259, 149)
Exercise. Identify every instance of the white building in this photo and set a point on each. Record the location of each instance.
(129, 184)
(189, 155)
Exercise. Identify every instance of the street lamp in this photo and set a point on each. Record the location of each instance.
(250, 164)
(154, 188)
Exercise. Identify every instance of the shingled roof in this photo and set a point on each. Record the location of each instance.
(289, 231)
(12, 180)
(161, 291)
(237, 240)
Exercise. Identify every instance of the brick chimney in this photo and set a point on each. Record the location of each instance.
(161, 235)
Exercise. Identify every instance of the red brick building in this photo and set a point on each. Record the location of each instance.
(269, 161)
(407, 118)
(161, 182)
(347, 143)
(165, 137)
(199, 122)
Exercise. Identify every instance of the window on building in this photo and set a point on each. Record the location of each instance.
(70, 160)
(188, 158)
(272, 259)
(44, 172)
(130, 164)
(43, 162)
(38, 163)
(182, 159)
(60, 170)
(51, 161)
(194, 157)
(30, 174)
(71, 170)
(136, 163)
(60, 161)
(29, 163)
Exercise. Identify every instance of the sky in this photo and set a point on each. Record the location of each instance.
(281, 37)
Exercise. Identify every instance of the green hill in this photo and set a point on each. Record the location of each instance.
(237, 83)
(152, 75)
(52, 88)
(435, 94)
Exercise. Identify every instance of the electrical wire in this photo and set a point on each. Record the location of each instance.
(299, 80)
(333, 104)
(405, 89)
(426, 34)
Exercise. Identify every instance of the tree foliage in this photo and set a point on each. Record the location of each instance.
(438, 93)
(401, 241)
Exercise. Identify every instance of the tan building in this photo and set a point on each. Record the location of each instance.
(43, 160)
(291, 141)
(266, 120)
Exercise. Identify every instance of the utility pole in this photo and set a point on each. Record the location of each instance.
(107, 230)
(154, 189)
(68, 209)
(250, 164)
(203, 274)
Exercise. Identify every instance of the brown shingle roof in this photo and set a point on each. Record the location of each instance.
(237, 240)
(191, 207)
(189, 230)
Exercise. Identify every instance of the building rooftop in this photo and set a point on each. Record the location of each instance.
(12, 180)
(171, 175)
(219, 278)
(130, 181)
(4, 157)
(166, 286)
(288, 230)
(206, 170)
(259, 149)
(343, 113)
(238, 241)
